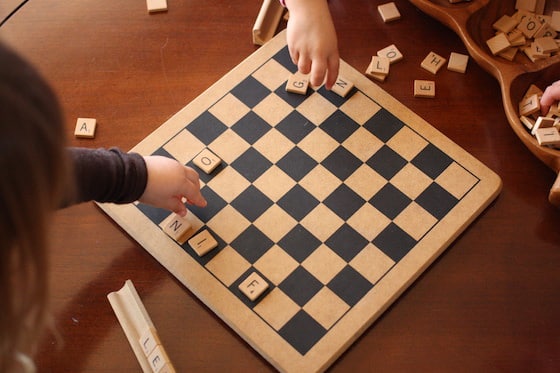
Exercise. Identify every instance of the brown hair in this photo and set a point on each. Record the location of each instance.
(33, 171)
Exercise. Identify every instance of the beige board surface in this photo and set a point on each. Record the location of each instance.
(340, 288)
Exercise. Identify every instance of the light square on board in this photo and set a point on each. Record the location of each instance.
(363, 144)
(318, 145)
(228, 265)
(273, 145)
(415, 221)
(228, 224)
(229, 146)
(272, 75)
(275, 223)
(316, 108)
(407, 143)
(372, 263)
(274, 183)
(324, 264)
(365, 182)
(228, 184)
(272, 109)
(326, 307)
(360, 108)
(277, 308)
(321, 222)
(184, 146)
(368, 221)
(456, 180)
(229, 110)
(276, 264)
(411, 181)
(320, 182)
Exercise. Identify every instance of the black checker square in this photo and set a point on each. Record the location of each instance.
(163, 153)
(206, 127)
(302, 332)
(299, 243)
(339, 126)
(344, 201)
(298, 202)
(432, 161)
(296, 163)
(386, 162)
(349, 285)
(295, 127)
(284, 59)
(300, 286)
(251, 164)
(390, 201)
(346, 242)
(250, 91)
(251, 203)
(252, 244)
(234, 288)
(384, 125)
(436, 200)
(251, 127)
(155, 214)
(215, 204)
(394, 242)
(341, 163)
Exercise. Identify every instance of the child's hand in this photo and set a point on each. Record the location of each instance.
(550, 96)
(312, 41)
(168, 182)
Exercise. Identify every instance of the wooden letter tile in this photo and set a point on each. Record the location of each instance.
(391, 52)
(424, 88)
(498, 43)
(458, 62)
(207, 161)
(378, 68)
(389, 12)
(149, 340)
(85, 127)
(156, 5)
(433, 62)
(342, 86)
(176, 227)
(547, 136)
(253, 286)
(529, 105)
(158, 359)
(203, 242)
(297, 83)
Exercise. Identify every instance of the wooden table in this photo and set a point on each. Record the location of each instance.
(489, 303)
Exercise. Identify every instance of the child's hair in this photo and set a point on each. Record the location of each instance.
(34, 175)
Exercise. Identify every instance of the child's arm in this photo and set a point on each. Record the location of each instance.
(312, 40)
(550, 96)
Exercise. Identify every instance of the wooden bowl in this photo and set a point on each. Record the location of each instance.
(472, 21)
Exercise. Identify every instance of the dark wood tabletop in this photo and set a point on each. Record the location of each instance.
(489, 303)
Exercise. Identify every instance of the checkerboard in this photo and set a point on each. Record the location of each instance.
(337, 203)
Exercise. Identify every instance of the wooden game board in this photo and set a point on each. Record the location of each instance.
(338, 203)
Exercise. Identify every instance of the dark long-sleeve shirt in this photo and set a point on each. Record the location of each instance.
(106, 175)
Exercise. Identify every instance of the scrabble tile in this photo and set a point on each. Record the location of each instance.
(389, 12)
(391, 52)
(458, 62)
(148, 341)
(253, 286)
(203, 243)
(555, 20)
(207, 161)
(542, 122)
(529, 26)
(158, 359)
(85, 128)
(509, 53)
(527, 122)
(547, 136)
(529, 5)
(532, 90)
(156, 5)
(505, 24)
(529, 105)
(546, 44)
(498, 43)
(297, 83)
(424, 88)
(433, 62)
(176, 227)
(378, 67)
(342, 86)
